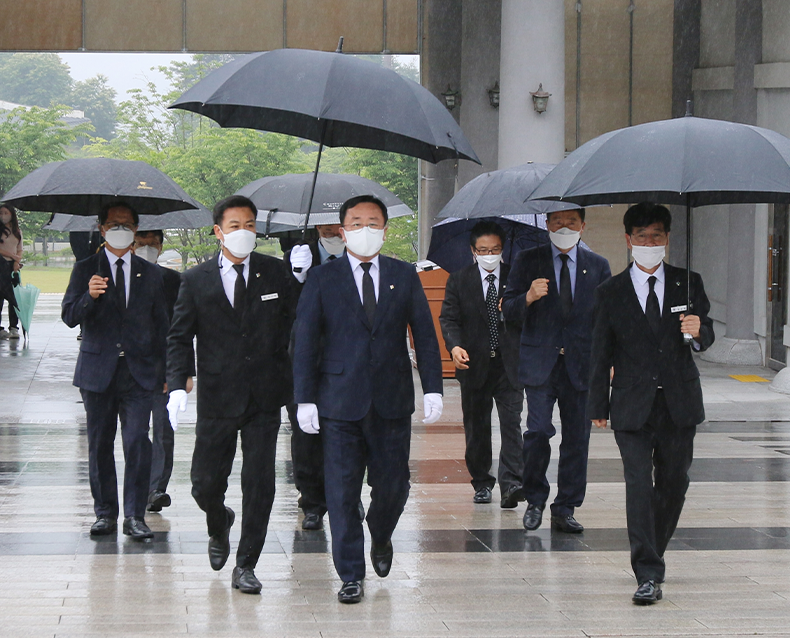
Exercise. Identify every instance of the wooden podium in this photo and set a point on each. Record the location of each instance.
(434, 282)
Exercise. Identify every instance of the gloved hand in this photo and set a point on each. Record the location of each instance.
(433, 407)
(175, 404)
(301, 260)
(307, 416)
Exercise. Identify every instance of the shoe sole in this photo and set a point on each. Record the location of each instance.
(246, 590)
(105, 532)
(648, 601)
(140, 537)
(157, 504)
(557, 528)
(351, 601)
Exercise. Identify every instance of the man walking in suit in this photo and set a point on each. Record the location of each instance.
(119, 300)
(641, 318)
(485, 352)
(239, 305)
(358, 308)
(550, 291)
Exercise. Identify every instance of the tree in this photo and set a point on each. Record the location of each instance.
(34, 79)
(96, 98)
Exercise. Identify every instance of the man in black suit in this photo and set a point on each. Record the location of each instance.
(239, 305)
(119, 300)
(656, 400)
(354, 312)
(148, 245)
(484, 349)
(550, 291)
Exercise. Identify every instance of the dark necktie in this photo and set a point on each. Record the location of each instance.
(652, 309)
(566, 294)
(368, 293)
(331, 257)
(239, 290)
(493, 312)
(120, 284)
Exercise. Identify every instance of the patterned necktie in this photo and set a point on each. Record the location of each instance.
(120, 284)
(239, 290)
(493, 312)
(652, 309)
(566, 294)
(368, 293)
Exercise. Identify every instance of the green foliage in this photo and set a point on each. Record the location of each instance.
(96, 98)
(34, 79)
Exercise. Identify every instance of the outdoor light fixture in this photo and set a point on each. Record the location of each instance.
(451, 98)
(540, 99)
(493, 95)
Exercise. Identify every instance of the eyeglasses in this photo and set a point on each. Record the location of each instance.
(358, 225)
(488, 251)
(112, 226)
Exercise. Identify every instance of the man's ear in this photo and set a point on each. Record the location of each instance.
(217, 232)
(628, 241)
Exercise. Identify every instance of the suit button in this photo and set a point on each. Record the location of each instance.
(655, 378)
(246, 358)
(117, 345)
(244, 334)
(660, 351)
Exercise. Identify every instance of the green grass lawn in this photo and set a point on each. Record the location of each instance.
(47, 279)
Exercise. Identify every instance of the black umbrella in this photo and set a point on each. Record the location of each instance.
(199, 218)
(83, 186)
(282, 200)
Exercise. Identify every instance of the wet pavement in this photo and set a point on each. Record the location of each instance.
(459, 568)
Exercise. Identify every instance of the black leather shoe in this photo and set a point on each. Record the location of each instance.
(245, 581)
(483, 495)
(533, 517)
(351, 592)
(648, 593)
(104, 526)
(135, 527)
(157, 500)
(511, 497)
(566, 524)
(381, 557)
(219, 545)
(312, 521)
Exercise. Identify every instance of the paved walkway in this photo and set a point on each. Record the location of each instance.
(459, 570)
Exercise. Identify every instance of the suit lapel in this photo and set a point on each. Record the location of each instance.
(111, 268)
(216, 289)
(674, 296)
(386, 290)
(634, 308)
(135, 282)
(581, 292)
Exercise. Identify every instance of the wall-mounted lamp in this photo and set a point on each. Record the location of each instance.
(540, 99)
(451, 98)
(493, 95)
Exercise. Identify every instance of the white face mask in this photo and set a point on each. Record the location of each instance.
(239, 243)
(488, 262)
(365, 242)
(565, 238)
(5, 218)
(149, 253)
(333, 245)
(119, 238)
(648, 256)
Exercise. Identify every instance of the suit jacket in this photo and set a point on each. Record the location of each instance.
(172, 282)
(623, 339)
(139, 331)
(236, 358)
(363, 364)
(544, 331)
(464, 322)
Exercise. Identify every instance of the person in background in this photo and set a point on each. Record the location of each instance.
(11, 253)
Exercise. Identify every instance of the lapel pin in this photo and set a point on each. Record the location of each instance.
(139, 274)
(392, 286)
(677, 283)
(584, 272)
(257, 274)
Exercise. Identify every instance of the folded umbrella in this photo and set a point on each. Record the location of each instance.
(26, 298)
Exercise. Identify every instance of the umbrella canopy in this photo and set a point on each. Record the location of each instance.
(330, 98)
(199, 218)
(282, 200)
(83, 186)
(26, 298)
(503, 192)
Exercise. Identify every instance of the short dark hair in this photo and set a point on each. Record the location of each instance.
(362, 199)
(581, 212)
(486, 227)
(645, 214)
(234, 201)
(105, 210)
(157, 233)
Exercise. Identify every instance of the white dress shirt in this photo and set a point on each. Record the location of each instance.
(642, 287)
(127, 269)
(484, 273)
(228, 275)
(358, 272)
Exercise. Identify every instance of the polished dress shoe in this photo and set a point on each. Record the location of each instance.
(219, 545)
(351, 592)
(103, 526)
(511, 497)
(647, 593)
(533, 517)
(381, 557)
(312, 521)
(157, 500)
(566, 524)
(483, 495)
(245, 581)
(135, 527)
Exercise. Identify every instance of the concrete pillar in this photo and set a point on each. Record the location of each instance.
(532, 52)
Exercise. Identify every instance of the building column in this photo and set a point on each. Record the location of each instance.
(532, 52)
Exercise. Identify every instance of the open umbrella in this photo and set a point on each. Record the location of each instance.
(199, 218)
(332, 99)
(82, 186)
(282, 200)
(26, 298)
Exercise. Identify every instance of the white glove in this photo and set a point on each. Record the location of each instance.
(175, 404)
(307, 416)
(301, 258)
(433, 407)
